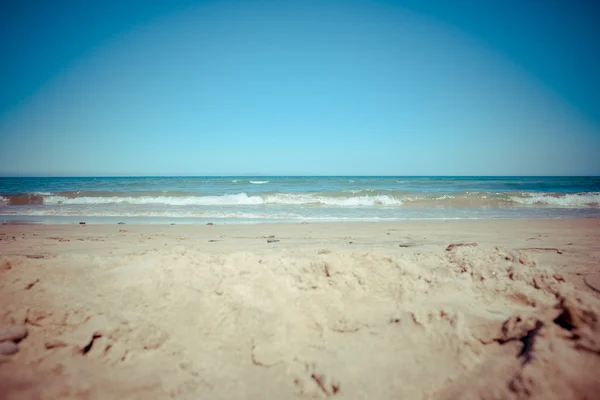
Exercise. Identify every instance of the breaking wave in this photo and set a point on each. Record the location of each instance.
(349, 198)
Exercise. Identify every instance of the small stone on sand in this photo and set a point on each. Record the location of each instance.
(12, 333)
(272, 240)
(8, 348)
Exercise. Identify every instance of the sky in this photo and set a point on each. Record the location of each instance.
(414, 87)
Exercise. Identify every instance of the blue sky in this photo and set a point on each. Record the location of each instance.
(415, 87)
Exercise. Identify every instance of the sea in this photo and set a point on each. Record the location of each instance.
(268, 199)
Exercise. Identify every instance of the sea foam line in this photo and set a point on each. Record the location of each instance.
(236, 199)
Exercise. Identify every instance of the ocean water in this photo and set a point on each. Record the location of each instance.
(295, 199)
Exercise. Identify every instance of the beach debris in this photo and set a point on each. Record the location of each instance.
(120, 223)
(8, 348)
(35, 256)
(272, 240)
(55, 344)
(313, 383)
(82, 223)
(32, 284)
(13, 333)
(326, 270)
(269, 237)
(88, 346)
(60, 239)
(558, 251)
(210, 223)
(213, 240)
(593, 281)
(455, 245)
(406, 245)
(328, 388)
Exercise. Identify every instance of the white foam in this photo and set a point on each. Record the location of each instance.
(564, 200)
(357, 191)
(259, 182)
(300, 199)
(236, 199)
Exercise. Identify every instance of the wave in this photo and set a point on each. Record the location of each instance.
(347, 198)
(581, 200)
(259, 182)
(228, 200)
(521, 199)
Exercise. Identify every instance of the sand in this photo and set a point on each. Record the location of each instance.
(351, 311)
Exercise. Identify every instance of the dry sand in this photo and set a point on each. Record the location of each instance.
(351, 311)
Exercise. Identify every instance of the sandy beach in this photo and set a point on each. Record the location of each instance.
(407, 310)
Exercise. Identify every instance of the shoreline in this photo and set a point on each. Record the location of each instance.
(161, 221)
(411, 309)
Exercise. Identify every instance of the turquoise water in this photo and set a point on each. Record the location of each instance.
(285, 199)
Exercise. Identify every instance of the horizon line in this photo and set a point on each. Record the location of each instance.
(297, 176)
